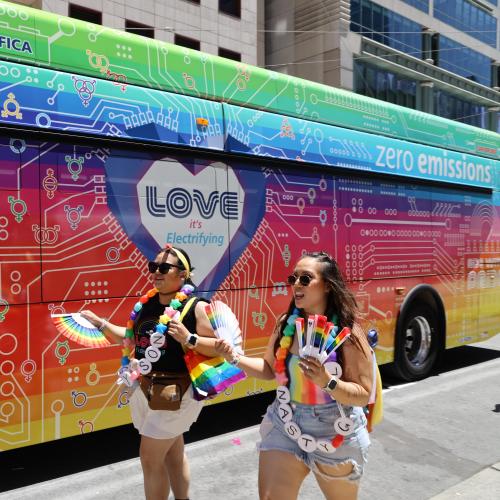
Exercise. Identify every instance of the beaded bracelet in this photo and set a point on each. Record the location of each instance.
(236, 359)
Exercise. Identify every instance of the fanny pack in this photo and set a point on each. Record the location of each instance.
(164, 390)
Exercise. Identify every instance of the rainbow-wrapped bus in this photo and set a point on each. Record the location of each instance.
(113, 145)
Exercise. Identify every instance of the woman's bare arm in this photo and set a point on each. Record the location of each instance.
(254, 367)
(113, 332)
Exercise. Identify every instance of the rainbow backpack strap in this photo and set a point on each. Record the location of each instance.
(376, 403)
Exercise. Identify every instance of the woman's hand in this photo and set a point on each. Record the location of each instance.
(314, 371)
(178, 331)
(92, 318)
(224, 349)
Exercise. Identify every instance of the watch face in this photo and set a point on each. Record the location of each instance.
(192, 339)
(332, 384)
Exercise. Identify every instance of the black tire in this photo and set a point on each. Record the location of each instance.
(418, 343)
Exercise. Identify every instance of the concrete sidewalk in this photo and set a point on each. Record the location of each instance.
(421, 450)
(484, 485)
(222, 468)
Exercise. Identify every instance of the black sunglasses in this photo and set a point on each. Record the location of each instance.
(164, 267)
(304, 279)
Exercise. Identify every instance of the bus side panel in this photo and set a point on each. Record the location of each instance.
(21, 231)
(487, 223)
(52, 387)
(91, 258)
(115, 214)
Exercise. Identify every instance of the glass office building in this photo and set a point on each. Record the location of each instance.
(439, 56)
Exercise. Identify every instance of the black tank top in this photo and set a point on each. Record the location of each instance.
(172, 353)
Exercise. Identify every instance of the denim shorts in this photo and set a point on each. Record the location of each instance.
(317, 421)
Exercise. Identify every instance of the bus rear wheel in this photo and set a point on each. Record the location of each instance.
(417, 342)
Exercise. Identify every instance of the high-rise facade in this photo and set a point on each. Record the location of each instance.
(222, 27)
(438, 56)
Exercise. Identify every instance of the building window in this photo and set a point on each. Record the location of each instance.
(185, 41)
(419, 4)
(84, 14)
(384, 85)
(229, 54)
(459, 59)
(387, 27)
(454, 108)
(139, 29)
(468, 17)
(231, 7)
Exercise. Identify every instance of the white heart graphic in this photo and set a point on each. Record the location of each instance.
(199, 213)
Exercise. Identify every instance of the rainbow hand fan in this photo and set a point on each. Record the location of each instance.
(77, 328)
(211, 376)
(225, 324)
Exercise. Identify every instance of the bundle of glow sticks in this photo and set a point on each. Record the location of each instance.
(320, 338)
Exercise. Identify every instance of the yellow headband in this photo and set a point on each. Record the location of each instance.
(183, 259)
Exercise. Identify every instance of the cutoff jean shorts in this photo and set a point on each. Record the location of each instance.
(317, 421)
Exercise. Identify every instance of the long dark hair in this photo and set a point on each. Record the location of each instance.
(340, 301)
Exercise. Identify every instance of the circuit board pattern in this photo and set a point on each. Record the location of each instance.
(270, 135)
(45, 39)
(46, 99)
(73, 236)
(77, 224)
(53, 100)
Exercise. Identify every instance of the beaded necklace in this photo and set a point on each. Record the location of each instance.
(343, 425)
(131, 369)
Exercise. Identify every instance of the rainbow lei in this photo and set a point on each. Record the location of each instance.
(130, 370)
(283, 394)
(284, 348)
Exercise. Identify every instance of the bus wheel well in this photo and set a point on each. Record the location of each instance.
(420, 336)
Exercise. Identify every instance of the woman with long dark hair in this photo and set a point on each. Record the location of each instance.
(317, 422)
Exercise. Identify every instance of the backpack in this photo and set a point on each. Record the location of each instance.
(375, 407)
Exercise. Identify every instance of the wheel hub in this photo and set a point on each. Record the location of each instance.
(418, 340)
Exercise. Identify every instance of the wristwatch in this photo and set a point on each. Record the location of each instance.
(332, 383)
(191, 340)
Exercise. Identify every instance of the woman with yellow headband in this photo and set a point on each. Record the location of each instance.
(163, 460)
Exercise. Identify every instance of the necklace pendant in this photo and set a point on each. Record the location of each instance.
(283, 394)
(157, 339)
(285, 413)
(325, 446)
(145, 366)
(152, 354)
(293, 430)
(343, 426)
(307, 443)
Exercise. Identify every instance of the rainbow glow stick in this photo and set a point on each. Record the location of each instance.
(326, 335)
(311, 325)
(299, 328)
(331, 338)
(318, 335)
(338, 340)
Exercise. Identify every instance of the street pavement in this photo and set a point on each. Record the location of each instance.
(440, 440)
